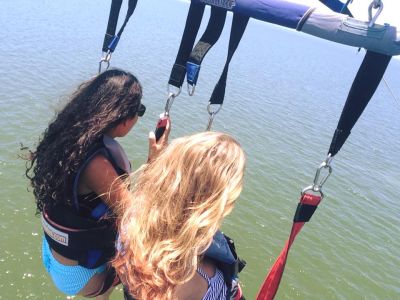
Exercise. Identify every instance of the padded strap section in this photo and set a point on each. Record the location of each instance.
(304, 212)
(207, 41)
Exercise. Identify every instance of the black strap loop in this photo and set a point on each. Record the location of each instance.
(193, 21)
(363, 88)
(112, 23)
(207, 41)
(239, 24)
(111, 39)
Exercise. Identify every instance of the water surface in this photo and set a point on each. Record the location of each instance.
(284, 97)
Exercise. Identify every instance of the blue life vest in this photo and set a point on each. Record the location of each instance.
(223, 253)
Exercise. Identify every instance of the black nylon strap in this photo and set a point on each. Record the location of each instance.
(363, 88)
(113, 21)
(193, 21)
(239, 24)
(210, 36)
(131, 8)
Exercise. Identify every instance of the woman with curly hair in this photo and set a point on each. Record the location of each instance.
(76, 174)
(177, 204)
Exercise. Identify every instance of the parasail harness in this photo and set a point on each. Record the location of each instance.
(363, 88)
(189, 59)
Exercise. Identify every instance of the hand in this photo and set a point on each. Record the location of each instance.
(155, 148)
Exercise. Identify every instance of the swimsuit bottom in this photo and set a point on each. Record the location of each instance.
(68, 279)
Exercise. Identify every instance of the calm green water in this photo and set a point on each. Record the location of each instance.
(285, 94)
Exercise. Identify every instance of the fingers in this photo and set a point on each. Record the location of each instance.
(152, 145)
(152, 139)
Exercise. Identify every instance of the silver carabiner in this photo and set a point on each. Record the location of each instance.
(175, 93)
(105, 59)
(170, 99)
(191, 88)
(318, 182)
(168, 104)
(212, 114)
(375, 4)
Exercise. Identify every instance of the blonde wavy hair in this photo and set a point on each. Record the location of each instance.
(178, 203)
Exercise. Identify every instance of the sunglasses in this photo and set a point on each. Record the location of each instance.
(141, 110)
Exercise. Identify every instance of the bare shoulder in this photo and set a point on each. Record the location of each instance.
(194, 289)
(100, 170)
(100, 177)
(99, 163)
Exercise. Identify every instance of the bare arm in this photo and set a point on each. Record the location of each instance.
(101, 178)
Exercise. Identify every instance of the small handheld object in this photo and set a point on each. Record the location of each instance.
(161, 126)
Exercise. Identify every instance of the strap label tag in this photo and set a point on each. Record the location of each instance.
(54, 234)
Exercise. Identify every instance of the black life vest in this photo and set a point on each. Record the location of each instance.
(89, 240)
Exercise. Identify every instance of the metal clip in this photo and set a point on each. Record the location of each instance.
(173, 93)
(319, 182)
(168, 104)
(375, 4)
(106, 60)
(191, 88)
(212, 114)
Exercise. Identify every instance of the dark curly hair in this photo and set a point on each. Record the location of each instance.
(97, 106)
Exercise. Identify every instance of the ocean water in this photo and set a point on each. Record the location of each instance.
(284, 96)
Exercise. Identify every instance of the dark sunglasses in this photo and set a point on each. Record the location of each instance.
(141, 110)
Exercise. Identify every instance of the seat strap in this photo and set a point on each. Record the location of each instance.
(305, 209)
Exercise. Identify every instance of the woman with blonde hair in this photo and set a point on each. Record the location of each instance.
(177, 204)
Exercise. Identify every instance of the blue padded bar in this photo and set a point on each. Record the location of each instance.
(280, 12)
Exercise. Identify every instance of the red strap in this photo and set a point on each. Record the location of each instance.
(271, 282)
